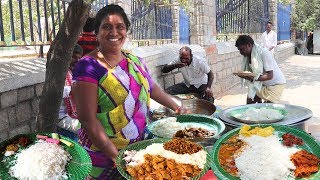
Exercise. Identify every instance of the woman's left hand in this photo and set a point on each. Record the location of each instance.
(182, 110)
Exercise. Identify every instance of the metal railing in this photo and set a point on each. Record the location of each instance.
(33, 22)
(236, 17)
(234, 36)
(151, 23)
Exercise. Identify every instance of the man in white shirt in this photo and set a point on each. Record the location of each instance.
(269, 38)
(196, 73)
(268, 82)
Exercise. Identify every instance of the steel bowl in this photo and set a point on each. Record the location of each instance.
(199, 106)
(193, 106)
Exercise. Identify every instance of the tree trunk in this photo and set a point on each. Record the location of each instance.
(58, 60)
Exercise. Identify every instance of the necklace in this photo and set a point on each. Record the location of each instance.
(105, 59)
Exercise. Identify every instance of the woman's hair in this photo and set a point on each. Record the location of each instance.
(244, 40)
(111, 9)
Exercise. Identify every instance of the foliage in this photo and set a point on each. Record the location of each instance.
(285, 2)
(183, 3)
(305, 15)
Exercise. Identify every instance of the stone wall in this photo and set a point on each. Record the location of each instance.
(21, 85)
(19, 108)
(22, 82)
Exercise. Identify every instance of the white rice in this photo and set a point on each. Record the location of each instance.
(168, 127)
(41, 161)
(261, 114)
(265, 158)
(197, 159)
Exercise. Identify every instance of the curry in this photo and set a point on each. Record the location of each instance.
(227, 153)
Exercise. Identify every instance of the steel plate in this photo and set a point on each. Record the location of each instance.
(296, 114)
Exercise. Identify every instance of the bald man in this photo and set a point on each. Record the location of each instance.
(196, 73)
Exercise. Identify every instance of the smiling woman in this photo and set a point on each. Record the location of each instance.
(112, 91)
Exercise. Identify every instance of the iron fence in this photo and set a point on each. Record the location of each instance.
(151, 23)
(33, 22)
(240, 17)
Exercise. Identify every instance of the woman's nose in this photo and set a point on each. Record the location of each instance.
(113, 30)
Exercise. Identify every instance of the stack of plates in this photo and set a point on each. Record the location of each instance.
(293, 114)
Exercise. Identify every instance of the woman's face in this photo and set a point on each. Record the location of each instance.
(112, 33)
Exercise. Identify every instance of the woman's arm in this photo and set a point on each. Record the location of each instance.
(85, 96)
(163, 98)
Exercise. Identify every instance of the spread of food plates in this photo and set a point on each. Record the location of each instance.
(266, 152)
(43, 156)
(173, 159)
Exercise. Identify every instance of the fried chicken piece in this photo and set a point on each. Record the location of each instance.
(305, 171)
(303, 157)
(306, 163)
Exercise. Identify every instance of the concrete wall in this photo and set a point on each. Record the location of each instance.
(21, 82)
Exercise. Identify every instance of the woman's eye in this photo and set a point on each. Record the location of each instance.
(107, 27)
(121, 27)
(110, 27)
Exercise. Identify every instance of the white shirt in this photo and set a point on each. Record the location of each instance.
(270, 64)
(196, 73)
(269, 39)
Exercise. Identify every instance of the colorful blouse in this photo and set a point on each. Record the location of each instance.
(123, 98)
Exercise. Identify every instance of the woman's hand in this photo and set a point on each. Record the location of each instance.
(182, 110)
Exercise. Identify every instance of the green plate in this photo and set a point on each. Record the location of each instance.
(203, 121)
(310, 144)
(142, 145)
(77, 168)
(236, 114)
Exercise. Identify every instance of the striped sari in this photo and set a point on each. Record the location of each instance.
(123, 106)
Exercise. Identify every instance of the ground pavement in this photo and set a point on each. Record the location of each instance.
(303, 87)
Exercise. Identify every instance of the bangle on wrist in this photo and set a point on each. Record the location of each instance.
(178, 109)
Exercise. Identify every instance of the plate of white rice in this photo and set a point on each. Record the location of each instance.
(201, 159)
(42, 160)
(265, 157)
(259, 115)
(167, 127)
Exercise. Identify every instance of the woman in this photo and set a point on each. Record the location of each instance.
(112, 91)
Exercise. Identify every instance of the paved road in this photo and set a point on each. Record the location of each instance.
(303, 88)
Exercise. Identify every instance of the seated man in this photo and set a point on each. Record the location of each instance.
(67, 113)
(196, 74)
(269, 82)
